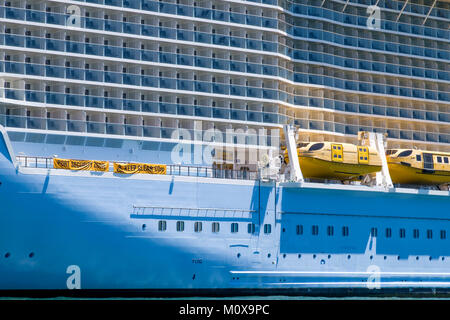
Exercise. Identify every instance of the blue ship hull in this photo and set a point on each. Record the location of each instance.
(120, 233)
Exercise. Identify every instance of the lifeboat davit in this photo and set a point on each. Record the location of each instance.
(408, 166)
(336, 161)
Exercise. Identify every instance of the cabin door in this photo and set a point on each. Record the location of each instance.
(428, 161)
(337, 152)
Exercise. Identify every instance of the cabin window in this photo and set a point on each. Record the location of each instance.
(330, 230)
(416, 233)
(402, 233)
(405, 153)
(215, 227)
(345, 231)
(267, 228)
(316, 146)
(162, 225)
(234, 227)
(180, 226)
(315, 230)
(388, 232)
(418, 157)
(439, 159)
(299, 229)
(429, 234)
(445, 160)
(443, 234)
(373, 232)
(198, 227)
(251, 228)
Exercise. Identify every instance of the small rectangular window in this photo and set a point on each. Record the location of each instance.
(443, 234)
(299, 229)
(330, 230)
(345, 231)
(418, 157)
(388, 232)
(251, 228)
(445, 159)
(267, 228)
(374, 232)
(162, 225)
(439, 159)
(198, 227)
(215, 227)
(402, 233)
(416, 233)
(180, 226)
(234, 227)
(315, 230)
(429, 234)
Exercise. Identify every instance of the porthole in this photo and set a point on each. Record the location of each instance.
(7, 255)
(284, 255)
(417, 258)
(348, 257)
(314, 256)
(144, 226)
(269, 255)
(238, 255)
(31, 255)
(329, 256)
(371, 257)
(299, 256)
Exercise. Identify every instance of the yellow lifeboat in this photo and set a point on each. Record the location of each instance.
(408, 166)
(336, 161)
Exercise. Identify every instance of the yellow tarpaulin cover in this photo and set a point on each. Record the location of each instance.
(130, 168)
(91, 165)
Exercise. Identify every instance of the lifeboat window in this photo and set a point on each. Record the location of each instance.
(439, 159)
(405, 153)
(180, 226)
(299, 229)
(215, 227)
(445, 160)
(389, 152)
(234, 227)
(316, 146)
(267, 228)
(443, 234)
(416, 233)
(418, 157)
(315, 230)
(198, 227)
(251, 228)
(402, 233)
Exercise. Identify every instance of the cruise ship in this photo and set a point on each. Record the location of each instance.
(144, 146)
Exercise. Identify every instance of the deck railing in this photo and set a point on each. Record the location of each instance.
(172, 169)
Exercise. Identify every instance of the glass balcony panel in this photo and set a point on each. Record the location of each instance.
(54, 71)
(237, 66)
(131, 28)
(94, 49)
(133, 130)
(237, 18)
(169, 8)
(167, 33)
(221, 15)
(221, 40)
(115, 52)
(185, 110)
(57, 45)
(149, 31)
(132, 4)
(151, 132)
(239, 115)
(93, 75)
(237, 42)
(221, 64)
(93, 23)
(166, 57)
(221, 113)
(167, 83)
(14, 40)
(254, 116)
(14, 13)
(74, 47)
(131, 79)
(131, 105)
(34, 69)
(113, 26)
(95, 127)
(203, 13)
(269, 46)
(185, 85)
(113, 103)
(36, 123)
(203, 111)
(169, 108)
(185, 35)
(148, 106)
(35, 16)
(73, 73)
(34, 96)
(203, 37)
(149, 55)
(254, 92)
(115, 128)
(150, 81)
(203, 86)
(113, 77)
(150, 5)
(93, 102)
(130, 53)
(254, 68)
(203, 62)
(185, 10)
(16, 121)
(74, 100)
(254, 44)
(221, 88)
(253, 20)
